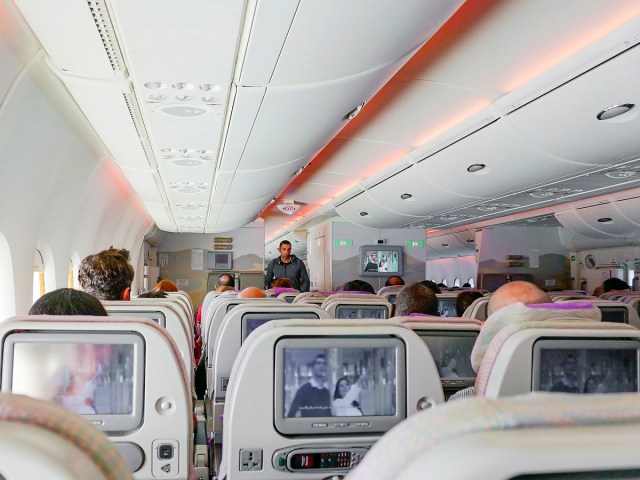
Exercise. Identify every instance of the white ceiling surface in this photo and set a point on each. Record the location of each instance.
(512, 85)
(210, 106)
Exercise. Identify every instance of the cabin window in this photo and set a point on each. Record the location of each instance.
(444, 282)
(456, 282)
(471, 282)
(71, 283)
(38, 276)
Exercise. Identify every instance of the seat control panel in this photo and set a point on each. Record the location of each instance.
(318, 459)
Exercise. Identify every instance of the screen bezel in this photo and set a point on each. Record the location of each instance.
(111, 424)
(379, 248)
(577, 344)
(361, 306)
(270, 316)
(615, 308)
(213, 264)
(303, 425)
(450, 300)
(450, 382)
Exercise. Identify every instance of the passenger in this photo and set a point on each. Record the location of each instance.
(416, 298)
(166, 286)
(67, 301)
(513, 292)
(346, 398)
(252, 292)
(107, 274)
(441, 286)
(153, 294)
(466, 298)
(225, 280)
(313, 398)
(431, 285)
(282, 282)
(358, 286)
(289, 266)
(568, 383)
(394, 280)
(614, 283)
(223, 288)
(372, 264)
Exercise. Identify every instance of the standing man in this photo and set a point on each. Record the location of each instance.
(289, 266)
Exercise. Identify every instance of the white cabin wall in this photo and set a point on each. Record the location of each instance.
(60, 190)
(590, 278)
(451, 268)
(319, 256)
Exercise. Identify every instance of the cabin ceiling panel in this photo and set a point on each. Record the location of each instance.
(314, 193)
(297, 121)
(233, 216)
(364, 210)
(145, 184)
(564, 122)
(249, 186)
(449, 245)
(572, 220)
(509, 164)
(629, 208)
(339, 44)
(425, 197)
(411, 113)
(607, 218)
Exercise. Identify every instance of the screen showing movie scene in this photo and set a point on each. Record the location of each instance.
(351, 312)
(251, 321)
(339, 382)
(88, 379)
(451, 352)
(586, 370)
(614, 314)
(447, 307)
(381, 261)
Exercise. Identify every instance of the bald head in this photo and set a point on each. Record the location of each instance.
(514, 292)
(252, 292)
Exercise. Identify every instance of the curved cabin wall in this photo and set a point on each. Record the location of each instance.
(59, 189)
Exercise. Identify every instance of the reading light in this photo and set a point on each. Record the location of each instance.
(614, 111)
(182, 86)
(183, 98)
(352, 114)
(476, 167)
(154, 85)
(406, 196)
(209, 87)
(190, 206)
(186, 162)
(157, 98)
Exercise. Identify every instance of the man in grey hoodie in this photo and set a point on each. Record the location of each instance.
(289, 266)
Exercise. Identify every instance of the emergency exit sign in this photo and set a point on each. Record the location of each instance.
(343, 243)
(415, 243)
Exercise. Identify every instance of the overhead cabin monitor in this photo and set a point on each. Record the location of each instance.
(339, 385)
(586, 366)
(222, 260)
(380, 260)
(252, 320)
(99, 376)
(451, 351)
(362, 311)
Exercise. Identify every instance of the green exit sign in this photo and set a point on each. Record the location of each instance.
(343, 243)
(415, 243)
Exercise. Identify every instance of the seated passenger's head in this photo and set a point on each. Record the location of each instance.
(225, 280)
(433, 286)
(394, 280)
(514, 292)
(464, 299)
(107, 274)
(358, 286)
(153, 294)
(166, 286)
(252, 292)
(614, 284)
(282, 282)
(416, 298)
(67, 301)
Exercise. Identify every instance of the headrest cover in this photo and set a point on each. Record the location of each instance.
(519, 313)
(562, 305)
(279, 290)
(357, 292)
(416, 314)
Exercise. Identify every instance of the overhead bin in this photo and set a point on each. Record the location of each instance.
(451, 245)
(229, 217)
(602, 221)
(364, 210)
(564, 122)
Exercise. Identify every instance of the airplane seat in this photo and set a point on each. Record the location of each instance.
(187, 300)
(286, 294)
(614, 311)
(311, 297)
(535, 355)
(532, 436)
(478, 309)
(491, 281)
(389, 288)
(44, 440)
(164, 314)
(357, 306)
(634, 303)
(123, 375)
(450, 341)
(289, 431)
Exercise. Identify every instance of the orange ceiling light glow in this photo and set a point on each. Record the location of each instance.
(578, 43)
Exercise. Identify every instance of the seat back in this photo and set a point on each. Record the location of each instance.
(124, 375)
(388, 366)
(310, 297)
(615, 312)
(44, 440)
(529, 436)
(492, 281)
(478, 309)
(447, 303)
(356, 306)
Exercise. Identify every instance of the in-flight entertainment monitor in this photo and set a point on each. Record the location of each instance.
(360, 311)
(333, 385)
(380, 260)
(451, 351)
(155, 316)
(252, 320)
(614, 314)
(586, 365)
(99, 376)
(447, 307)
(219, 260)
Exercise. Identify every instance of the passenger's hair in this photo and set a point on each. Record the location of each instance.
(358, 286)
(166, 286)
(614, 283)
(223, 288)
(513, 292)
(282, 282)
(225, 280)
(252, 292)
(416, 298)
(286, 242)
(106, 274)
(154, 294)
(336, 395)
(67, 301)
(466, 298)
(394, 280)
(433, 286)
